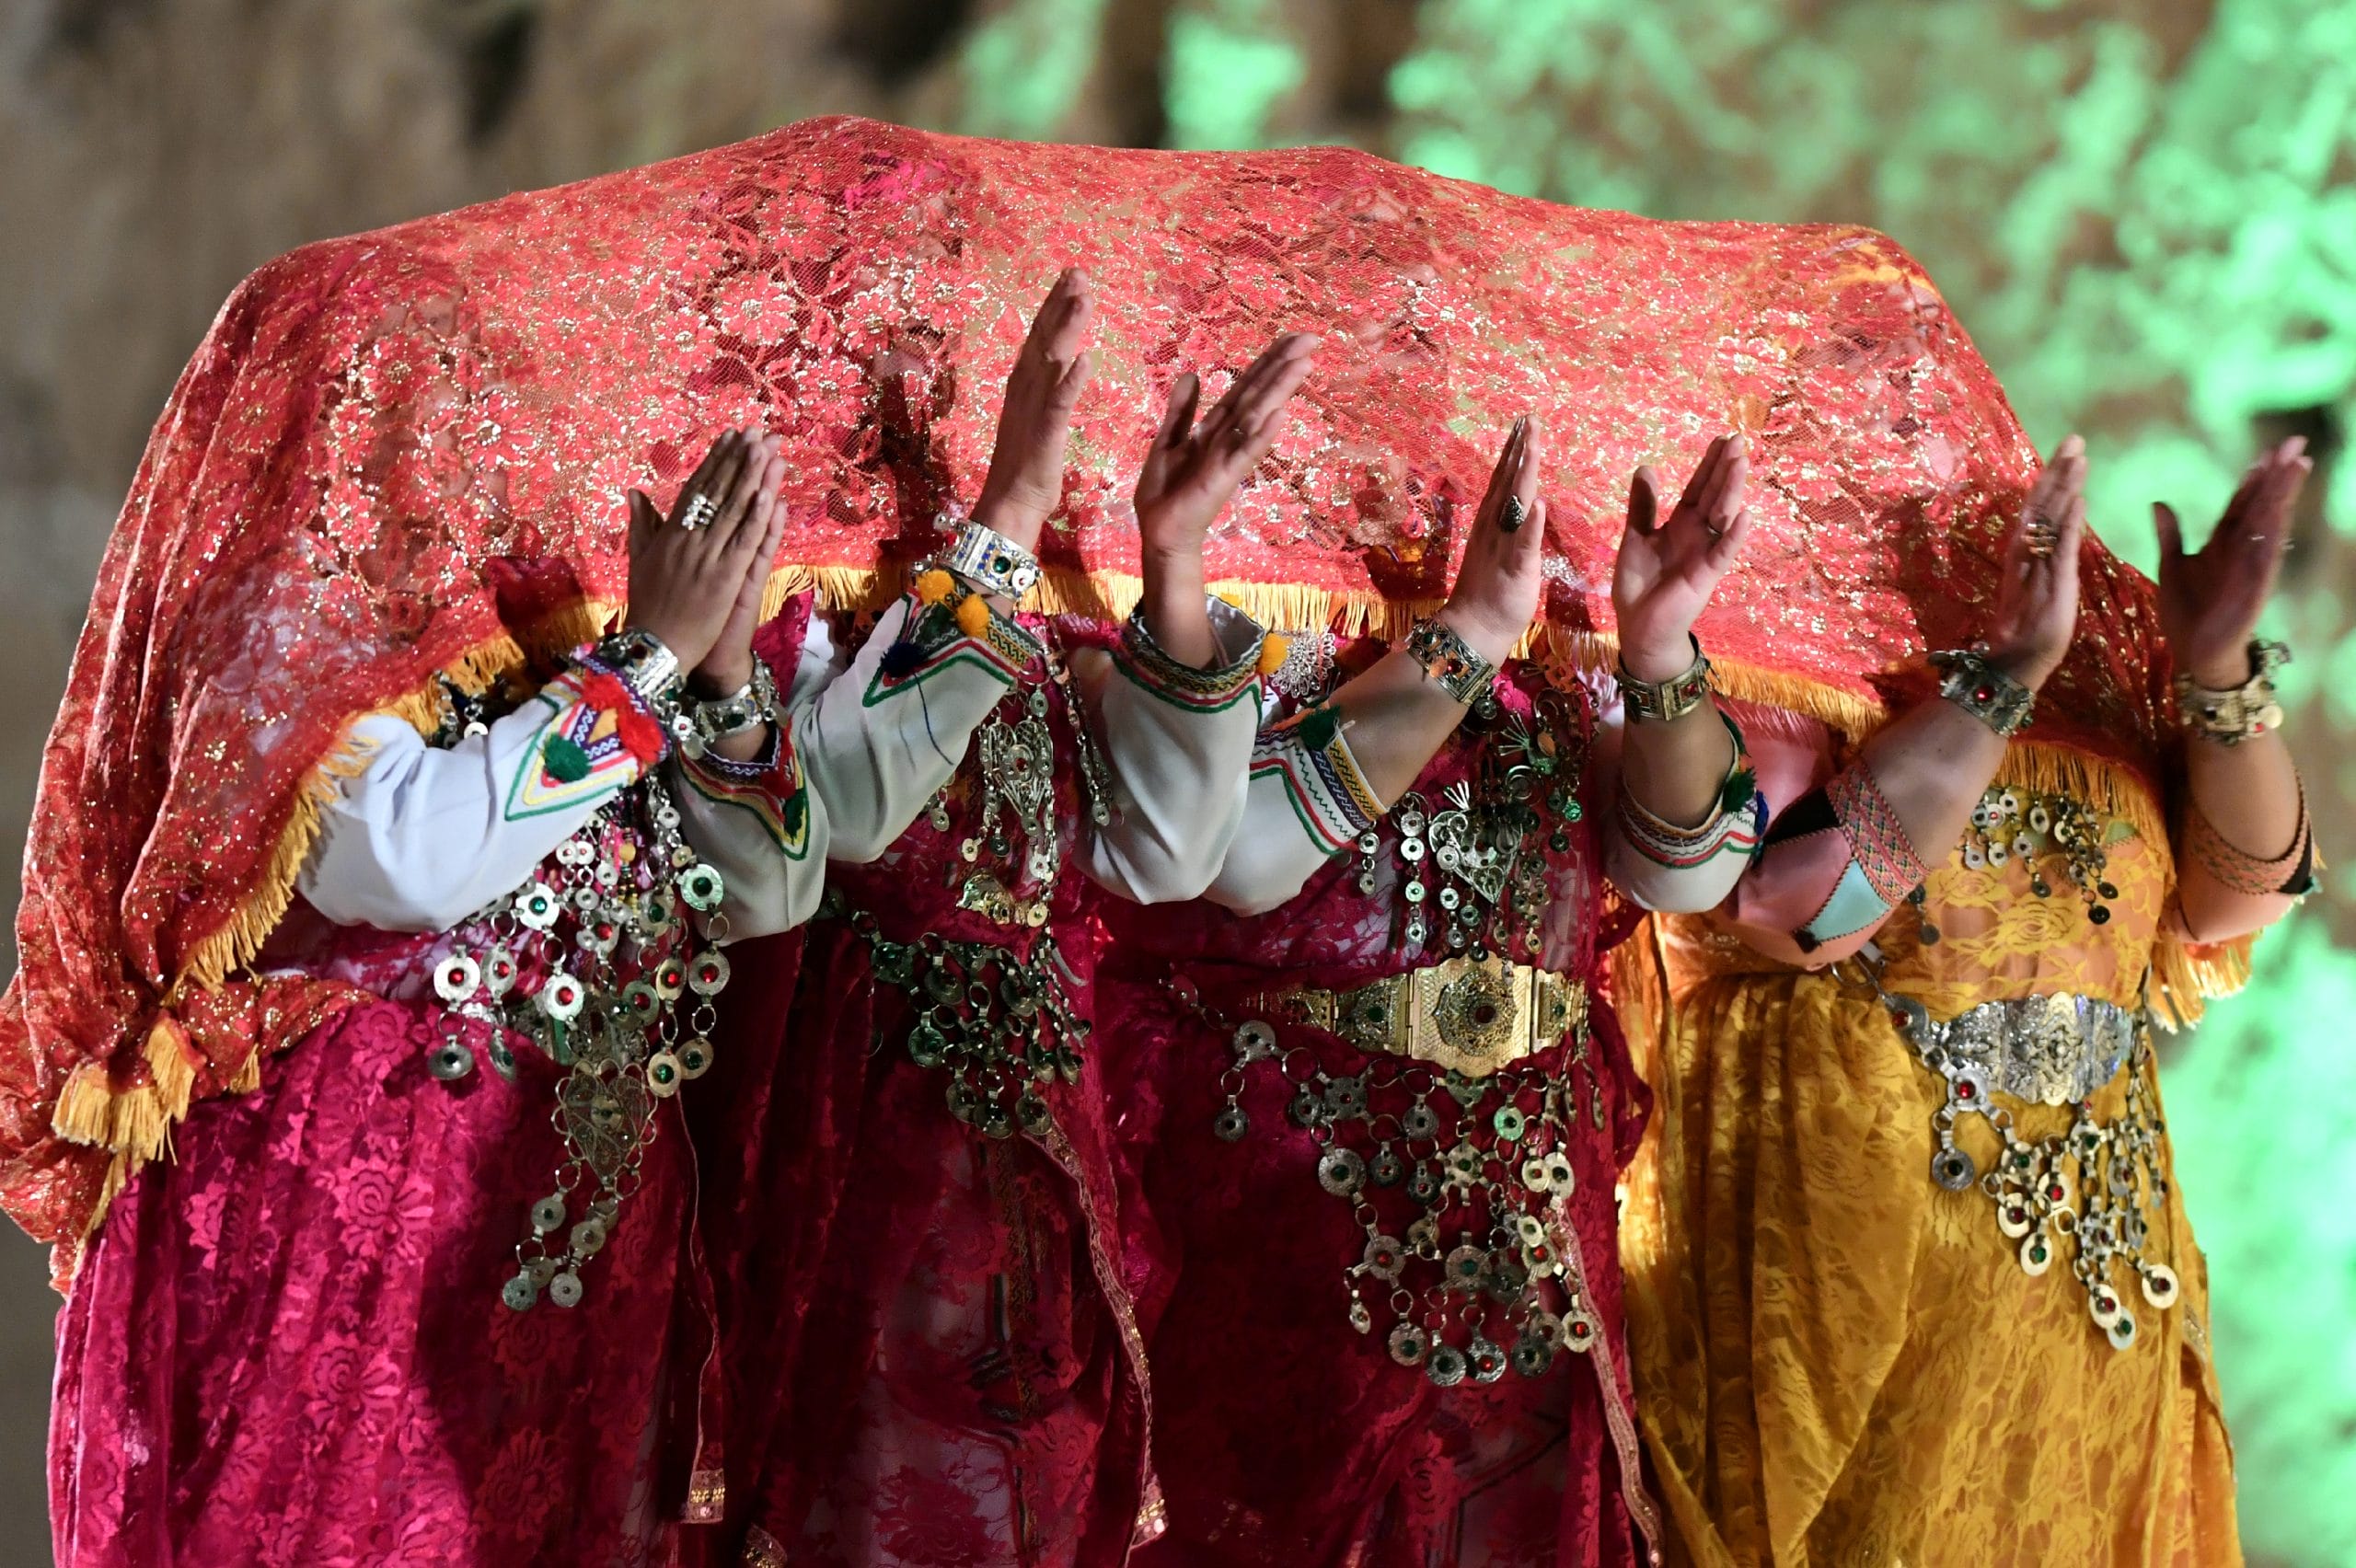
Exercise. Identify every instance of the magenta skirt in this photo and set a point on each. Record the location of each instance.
(287, 1346)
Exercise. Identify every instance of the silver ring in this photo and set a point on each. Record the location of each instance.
(1509, 519)
(699, 511)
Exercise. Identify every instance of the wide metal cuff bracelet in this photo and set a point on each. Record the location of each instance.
(992, 562)
(749, 706)
(1446, 658)
(643, 663)
(2237, 713)
(1664, 702)
(1464, 1015)
(1973, 684)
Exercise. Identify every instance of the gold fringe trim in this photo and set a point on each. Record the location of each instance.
(2109, 787)
(84, 1106)
(2184, 977)
(1285, 606)
(241, 936)
(247, 1077)
(171, 1058)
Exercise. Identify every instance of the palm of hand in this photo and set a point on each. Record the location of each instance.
(1665, 573)
(1662, 580)
(2209, 600)
(1191, 470)
(1026, 474)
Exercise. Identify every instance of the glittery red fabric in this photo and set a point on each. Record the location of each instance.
(392, 447)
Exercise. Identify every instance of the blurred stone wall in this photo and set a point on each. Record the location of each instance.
(2143, 211)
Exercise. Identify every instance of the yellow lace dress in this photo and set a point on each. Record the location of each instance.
(1842, 1363)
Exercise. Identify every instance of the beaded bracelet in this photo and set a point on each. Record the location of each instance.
(992, 562)
(1987, 692)
(1664, 702)
(1446, 658)
(2236, 713)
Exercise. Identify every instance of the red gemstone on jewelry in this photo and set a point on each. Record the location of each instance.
(1965, 1091)
(1579, 1331)
(2056, 1192)
(1983, 694)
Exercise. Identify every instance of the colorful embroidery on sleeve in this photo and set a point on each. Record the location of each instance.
(1213, 690)
(596, 739)
(771, 786)
(935, 638)
(1307, 758)
(1877, 838)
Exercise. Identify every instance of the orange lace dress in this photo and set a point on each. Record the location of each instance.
(1842, 1359)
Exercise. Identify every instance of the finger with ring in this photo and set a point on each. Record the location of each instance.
(699, 511)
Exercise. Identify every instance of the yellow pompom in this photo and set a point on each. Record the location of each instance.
(934, 586)
(972, 615)
(1274, 650)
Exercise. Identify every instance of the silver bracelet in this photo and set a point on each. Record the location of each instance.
(1448, 659)
(642, 662)
(1665, 702)
(749, 706)
(1981, 689)
(992, 562)
(2238, 713)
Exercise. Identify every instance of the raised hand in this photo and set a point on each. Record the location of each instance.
(688, 571)
(1026, 477)
(2209, 599)
(1666, 572)
(2036, 603)
(1191, 470)
(729, 665)
(1498, 586)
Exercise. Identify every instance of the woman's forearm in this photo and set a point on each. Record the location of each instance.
(1676, 768)
(1398, 717)
(2249, 795)
(1176, 608)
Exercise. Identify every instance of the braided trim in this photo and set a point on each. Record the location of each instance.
(2238, 871)
(1878, 840)
(1144, 661)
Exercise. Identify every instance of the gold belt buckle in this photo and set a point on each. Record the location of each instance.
(1464, 1015)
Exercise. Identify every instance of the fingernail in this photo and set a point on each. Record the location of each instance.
(1309, 340)
(2071, 447)
(2293, 446)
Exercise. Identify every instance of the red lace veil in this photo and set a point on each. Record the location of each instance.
(401, 455)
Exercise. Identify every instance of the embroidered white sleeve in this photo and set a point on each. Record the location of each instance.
(422, 837)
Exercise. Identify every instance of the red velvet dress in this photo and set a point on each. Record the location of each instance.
(1281, 1434)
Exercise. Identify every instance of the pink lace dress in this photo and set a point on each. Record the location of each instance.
(298, 1341)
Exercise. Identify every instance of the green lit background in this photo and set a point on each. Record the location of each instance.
(2145, 213)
